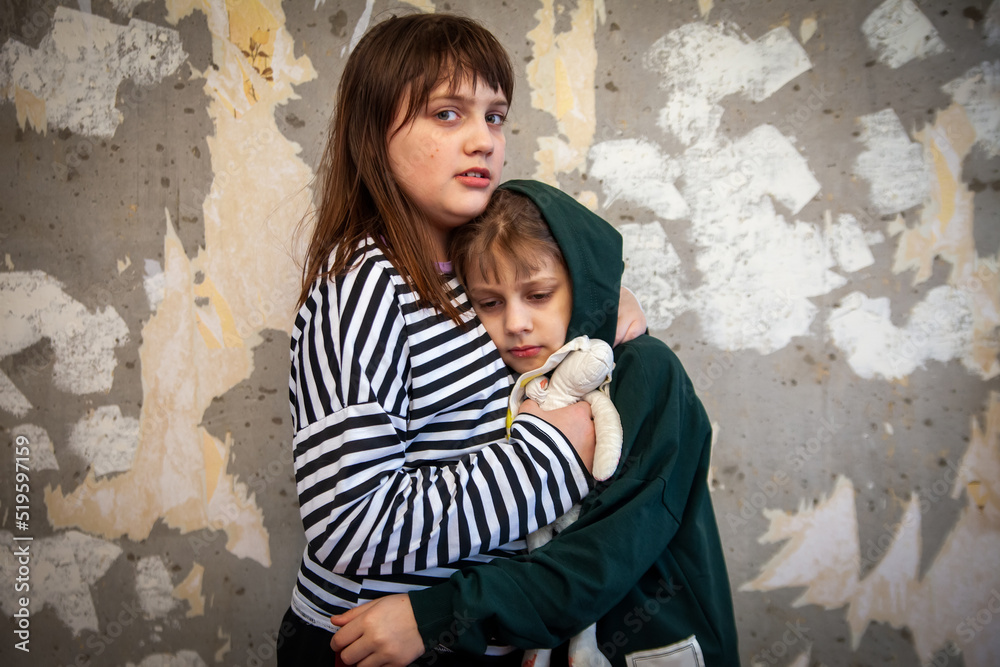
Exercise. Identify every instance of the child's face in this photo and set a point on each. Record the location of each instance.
(448, 158)
(527, 319)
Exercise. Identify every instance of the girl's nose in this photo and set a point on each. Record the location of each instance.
(480, 137)
(517, 320)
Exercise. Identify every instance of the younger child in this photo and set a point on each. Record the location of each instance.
(644, 560)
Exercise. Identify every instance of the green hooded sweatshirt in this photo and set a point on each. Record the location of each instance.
(644, 559)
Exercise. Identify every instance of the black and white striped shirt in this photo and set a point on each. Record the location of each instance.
(402, 467)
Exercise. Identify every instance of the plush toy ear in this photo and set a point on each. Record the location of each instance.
(543, 383)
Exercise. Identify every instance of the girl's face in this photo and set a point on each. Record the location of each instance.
(447, 160)
(527, 318)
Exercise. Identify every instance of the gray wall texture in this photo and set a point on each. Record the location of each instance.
(809, 196)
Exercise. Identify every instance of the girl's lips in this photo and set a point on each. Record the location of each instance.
(475, 178)
(525, 352)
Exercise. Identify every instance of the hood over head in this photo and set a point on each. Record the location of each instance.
(592, 248)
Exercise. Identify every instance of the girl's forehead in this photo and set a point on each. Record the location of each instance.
(453, 83)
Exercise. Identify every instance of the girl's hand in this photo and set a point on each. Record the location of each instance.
(381, 632)
(575, 422)
(631, 319)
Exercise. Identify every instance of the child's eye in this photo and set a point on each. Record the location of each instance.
(446, 114)
(540, 296)
(495, 118)
(488, 304)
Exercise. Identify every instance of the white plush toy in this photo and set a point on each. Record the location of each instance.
(582, 372)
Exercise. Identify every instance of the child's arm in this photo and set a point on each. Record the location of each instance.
(365, 508)
(631, 317)
(542, 599)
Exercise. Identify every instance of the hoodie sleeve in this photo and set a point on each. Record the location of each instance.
(627, 524)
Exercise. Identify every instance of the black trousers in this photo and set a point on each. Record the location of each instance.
(300, 644)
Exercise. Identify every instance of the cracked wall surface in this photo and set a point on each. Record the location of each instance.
(809, 195)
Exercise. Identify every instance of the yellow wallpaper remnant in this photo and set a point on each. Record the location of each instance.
(807, 28)
(944, 610)
(199, 343)
(220, 655)
(561, 75)
(169, 476)
(252, 28)
(189, 590)
(945, 230)
(705, 6)
(30, 109)
(216, 323)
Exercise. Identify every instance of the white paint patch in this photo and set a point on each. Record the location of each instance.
(978, 91)
(63, 568)
(154, 588)
(701, 64)
(78, 66)
(991, 24)
(11, 398)
(745, 300)
(847, 242)
(154, 282)
(898, 32)
(126, 7)
(184, 658)
(35, 306)
(652, 264)
(874, 237)
(106, 439)
(803, 659)
(362, 25)
(893, 165)
(43, 457)
(8, 262)
(939, 329)
(637, 170)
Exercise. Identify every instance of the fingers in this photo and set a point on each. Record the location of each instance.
(573, 421)
(350, 614)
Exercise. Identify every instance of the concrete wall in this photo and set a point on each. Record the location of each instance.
(809, 195)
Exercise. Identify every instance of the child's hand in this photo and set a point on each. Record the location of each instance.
(631, 319)
(381, 632)
(575, 422)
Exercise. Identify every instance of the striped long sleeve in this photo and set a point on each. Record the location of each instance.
(401, 464)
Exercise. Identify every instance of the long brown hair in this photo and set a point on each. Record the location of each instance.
(404, 57)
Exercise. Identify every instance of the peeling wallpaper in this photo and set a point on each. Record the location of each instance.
(808, 197)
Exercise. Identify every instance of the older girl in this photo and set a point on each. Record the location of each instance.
(398, 396)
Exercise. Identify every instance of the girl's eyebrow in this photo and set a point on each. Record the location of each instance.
(499, 100)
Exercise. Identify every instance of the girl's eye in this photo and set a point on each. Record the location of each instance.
(495, 118)
(540, 296)
(488, 304)
(447, 114)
